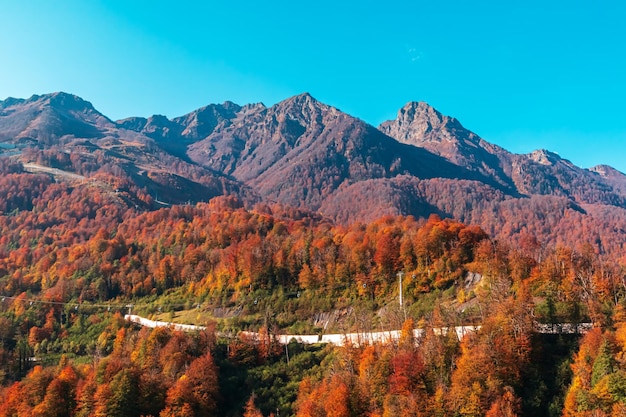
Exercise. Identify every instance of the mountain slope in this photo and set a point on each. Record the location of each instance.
(306, 154)
(67, 132)
(538, 173)
(300, 151)
(421, 125)
(49, 117)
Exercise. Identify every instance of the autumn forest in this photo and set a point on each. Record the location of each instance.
(75, 256)
(265, 227)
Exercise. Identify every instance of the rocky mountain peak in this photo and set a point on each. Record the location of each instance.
(303, 108)
(132, 123)
(65, 101)
(302, 98)
(544, 157)
(418, 122)
(606, 171)
(416, 111)
(202, 122)
(253, 107)
(70, 108)
(51, 116)
(10, 101)
(158, 119)
(230, 106)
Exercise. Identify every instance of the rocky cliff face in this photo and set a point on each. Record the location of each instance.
(421, 125)
(538, 173)
(300, 151)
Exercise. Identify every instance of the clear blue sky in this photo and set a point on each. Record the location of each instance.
(524, 75)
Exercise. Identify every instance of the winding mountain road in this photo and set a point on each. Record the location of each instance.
(363, 338)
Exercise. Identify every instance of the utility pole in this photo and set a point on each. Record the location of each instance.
(400, 286)
(401, 299)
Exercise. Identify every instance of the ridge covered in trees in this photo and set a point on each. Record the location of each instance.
(69, 249)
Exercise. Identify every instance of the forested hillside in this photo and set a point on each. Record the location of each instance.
(294, 219)
(75, 255)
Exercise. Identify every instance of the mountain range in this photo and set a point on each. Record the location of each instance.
(309, 155)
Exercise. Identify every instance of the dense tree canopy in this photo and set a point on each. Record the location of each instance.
(74, 254)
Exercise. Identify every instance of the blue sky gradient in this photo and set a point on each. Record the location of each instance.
(523, 75)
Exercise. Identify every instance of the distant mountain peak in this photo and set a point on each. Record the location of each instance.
(418, 122)
(63, 96)
(544, 157)
(303, 108)
(606, 171)
(303, 96)
(229, 105)
(304, 99)
(159, 118)
(10, 101)
(253, 107)
(65, 100)
(57, 100)
(202, 122)
(416, 108)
